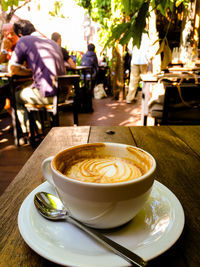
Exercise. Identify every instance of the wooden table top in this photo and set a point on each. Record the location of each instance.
(177, 152)
(155, 77)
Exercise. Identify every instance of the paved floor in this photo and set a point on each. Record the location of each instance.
(106, 112)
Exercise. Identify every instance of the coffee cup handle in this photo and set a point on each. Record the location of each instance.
(46, 170)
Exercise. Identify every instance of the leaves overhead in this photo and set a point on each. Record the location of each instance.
(163, 5)
(129, 22)
(57, 10)
(132, 6)
(166, 51)
(120, 20)
(11, 3)
(123, 32)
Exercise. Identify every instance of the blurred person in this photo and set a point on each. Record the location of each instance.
(44, 62)
(8, 44)
(67, 59)
(139, 65)
(90, 59)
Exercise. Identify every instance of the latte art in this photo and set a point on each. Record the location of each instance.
(104, 170)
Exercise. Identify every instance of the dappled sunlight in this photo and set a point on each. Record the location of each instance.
(111, 115)
(4, 140)
(110, 112)
(131, 122)
(102, 118)
(117, 104)
(135, 111)
(129, 109)
(8, 147)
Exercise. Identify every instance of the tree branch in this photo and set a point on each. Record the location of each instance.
(25, 3)
(11, 13)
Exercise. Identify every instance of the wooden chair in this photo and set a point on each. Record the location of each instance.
(181, 104)
(50, 113)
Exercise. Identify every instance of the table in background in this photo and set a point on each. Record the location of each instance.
(82, 71)
(150, 78)
(86, 87)
(177, 152)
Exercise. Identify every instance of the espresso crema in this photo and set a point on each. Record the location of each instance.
(104, 170)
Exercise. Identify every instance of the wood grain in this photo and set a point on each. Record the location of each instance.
(177, 153)
(178, 169)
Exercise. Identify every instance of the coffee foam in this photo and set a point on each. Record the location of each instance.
(93, 163)
(104, 170)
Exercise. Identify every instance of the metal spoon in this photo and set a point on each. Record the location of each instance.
(52, 208)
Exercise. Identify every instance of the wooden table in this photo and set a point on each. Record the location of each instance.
(82, 71)
(177, 152)
(151, 78)
(194, 69)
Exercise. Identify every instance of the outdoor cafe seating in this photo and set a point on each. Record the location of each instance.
(172, 97)
(53, 109)
(181, 105)
(86, 87)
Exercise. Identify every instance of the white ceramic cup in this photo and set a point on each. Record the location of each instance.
(106, 205)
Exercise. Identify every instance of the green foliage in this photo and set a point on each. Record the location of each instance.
(57, 10)
(163, 5)
(123, 32)
(132, 6)
(166, 51)
(185, 3)
(139, 23)
(85, 4)
(99, 10)
(9, 3)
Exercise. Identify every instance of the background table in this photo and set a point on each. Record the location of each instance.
(82, 71)
(177, 152)
(150, 78)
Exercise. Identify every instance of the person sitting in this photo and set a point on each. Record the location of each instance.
(67, 59)
(44, 62)
(9, 42)
(90, 59)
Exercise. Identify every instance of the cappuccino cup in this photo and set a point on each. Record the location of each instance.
(103, 185)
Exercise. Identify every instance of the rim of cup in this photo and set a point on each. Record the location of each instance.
(93, 184)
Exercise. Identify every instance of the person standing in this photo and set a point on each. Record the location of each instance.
(139, 65)
(44, 62)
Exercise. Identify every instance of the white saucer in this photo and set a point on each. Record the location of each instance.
(154, 230)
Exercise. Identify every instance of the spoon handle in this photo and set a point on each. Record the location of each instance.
(123, 252)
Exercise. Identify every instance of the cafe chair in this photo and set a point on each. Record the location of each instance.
(49, 114)
(181, 104)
